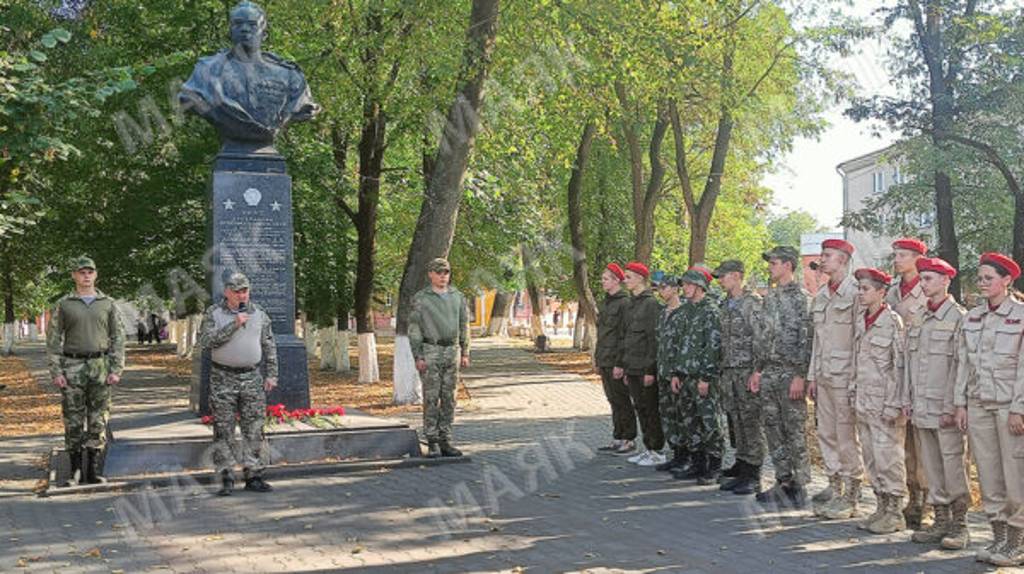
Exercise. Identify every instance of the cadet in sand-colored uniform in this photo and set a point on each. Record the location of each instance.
(989, 397)
(932, 337)
(881, 400)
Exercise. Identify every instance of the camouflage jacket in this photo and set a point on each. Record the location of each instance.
(701, 345)
(741, 320)
(671, 326)
(77, 327)
(788, 332)
(639, 347)
(611, 322)
(438, 318)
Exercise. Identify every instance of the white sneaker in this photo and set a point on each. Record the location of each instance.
(653, 459)
(637, 459)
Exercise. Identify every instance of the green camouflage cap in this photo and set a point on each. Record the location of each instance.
(728, 266)
(783, 252)
(236, 282)
(695, 277)
(438, 264)
(83, 262)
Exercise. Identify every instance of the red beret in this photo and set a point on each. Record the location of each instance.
(1000, 260)
(638, 268)
(935, 265)
(873, 273)
(616, 270)
(910, 244)
(840, 244)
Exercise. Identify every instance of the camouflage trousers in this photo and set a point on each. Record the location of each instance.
(85, 403)
(240, 393)
(743, 409)
(439, 391)
(784, 421)
(703, 419)
(672, 408)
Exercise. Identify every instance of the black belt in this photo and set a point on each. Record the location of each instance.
(95, 355)
(439, 343)
(236, 370)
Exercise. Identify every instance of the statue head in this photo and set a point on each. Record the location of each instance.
(248, 25)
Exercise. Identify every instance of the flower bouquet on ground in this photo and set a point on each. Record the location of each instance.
(324, 418)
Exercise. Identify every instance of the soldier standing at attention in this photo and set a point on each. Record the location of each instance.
(989, 399)
(638, 353)
(835, 313)
(611, 316)
(906, 298)
(741, 319)
(243, 369)
(696, 368)
(782, 357)
(672, 321)
(85, 351)
(932, 336)
(882, 400)
(439, 336)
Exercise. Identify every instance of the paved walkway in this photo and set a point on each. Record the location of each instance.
(534, 499)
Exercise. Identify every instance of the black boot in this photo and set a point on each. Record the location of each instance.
(680, 456)
(94, 466)
(227, 483)
(695, 470)
(433, 450)
(731, 481)
(76, 469)
(447, 450)
(751, 482)
(712, 470)
(796, 495)
(734, 471)
(256, 483)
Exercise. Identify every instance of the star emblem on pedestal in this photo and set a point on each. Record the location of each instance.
(229, 205)
(275, 206)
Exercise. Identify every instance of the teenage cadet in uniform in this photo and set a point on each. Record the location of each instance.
(906, 298)
(835, 312)
(638, 354)
(932, 336)
(439, 337)
(696, 368)
(881, 400)
(241, 344)
(782, 357)
(989, 398)
(85, 351)
(671, 402)
(611, 319)
(740, 319)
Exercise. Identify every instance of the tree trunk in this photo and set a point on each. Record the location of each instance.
(580, 272)
(435, 226)
(534, 293)
(498, 323)
(1018, 236)
(9, 326)
(327, 359)
(645, 197)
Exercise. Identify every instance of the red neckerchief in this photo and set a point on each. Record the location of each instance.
(869, 320)
(995, 308)
(834, 287)
(906, 287)
(935, 308)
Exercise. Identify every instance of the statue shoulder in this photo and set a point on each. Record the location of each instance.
(275, 59)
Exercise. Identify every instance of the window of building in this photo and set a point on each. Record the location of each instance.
(879, 182)
(897, 178)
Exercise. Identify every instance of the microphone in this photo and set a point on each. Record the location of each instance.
(241, 309)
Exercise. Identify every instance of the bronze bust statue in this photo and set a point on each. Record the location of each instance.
(247, 94)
